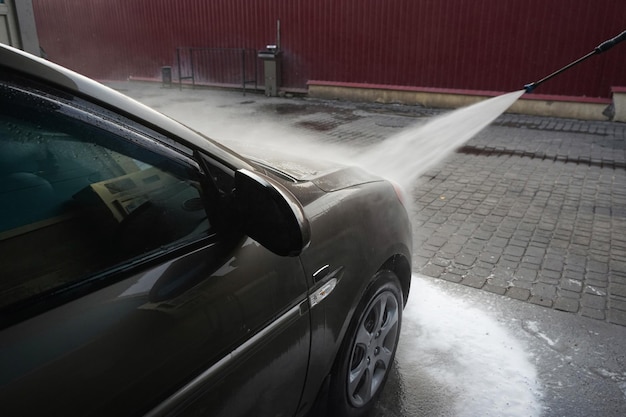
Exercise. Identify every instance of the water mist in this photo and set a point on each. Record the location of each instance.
(406, 156)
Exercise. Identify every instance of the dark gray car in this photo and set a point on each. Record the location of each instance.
(148, 270)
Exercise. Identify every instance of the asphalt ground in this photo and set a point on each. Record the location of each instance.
(532, 208)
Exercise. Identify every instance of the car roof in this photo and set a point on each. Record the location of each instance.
(91, 90)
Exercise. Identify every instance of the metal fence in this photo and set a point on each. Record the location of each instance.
(217, 67)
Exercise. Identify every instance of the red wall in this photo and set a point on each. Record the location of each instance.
(497, 45)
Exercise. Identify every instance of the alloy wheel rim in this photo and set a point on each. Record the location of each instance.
(372, 351)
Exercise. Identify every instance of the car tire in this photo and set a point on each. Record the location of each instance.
(367, 353)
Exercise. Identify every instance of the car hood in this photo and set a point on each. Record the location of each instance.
(327, 175)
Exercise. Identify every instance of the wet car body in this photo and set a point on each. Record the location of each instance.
(148, 270)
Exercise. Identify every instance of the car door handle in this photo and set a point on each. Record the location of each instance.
(321, 273)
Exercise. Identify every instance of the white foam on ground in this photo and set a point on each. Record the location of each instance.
(533, 328)
(484, 369)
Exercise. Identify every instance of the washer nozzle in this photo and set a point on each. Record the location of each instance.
(530, 87)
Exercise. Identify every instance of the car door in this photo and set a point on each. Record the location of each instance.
(121, 294)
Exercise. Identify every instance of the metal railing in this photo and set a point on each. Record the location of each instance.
(217, 67)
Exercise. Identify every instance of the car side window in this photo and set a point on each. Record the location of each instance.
(79, 196)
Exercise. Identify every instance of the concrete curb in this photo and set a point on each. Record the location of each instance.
(582, 108)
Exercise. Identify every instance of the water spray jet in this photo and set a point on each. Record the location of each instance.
(604, 46)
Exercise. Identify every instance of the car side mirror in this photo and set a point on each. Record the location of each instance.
(270, 214)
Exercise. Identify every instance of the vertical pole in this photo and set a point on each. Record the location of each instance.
(243, 70)
(193, 74)
(180, 75)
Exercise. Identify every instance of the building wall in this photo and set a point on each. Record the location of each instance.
(495, 45)
(17, 25)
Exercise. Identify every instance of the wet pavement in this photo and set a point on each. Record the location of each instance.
(465, 352)
(526, 224)
(537, 215)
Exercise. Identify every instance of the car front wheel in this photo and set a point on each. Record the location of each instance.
(367, 354)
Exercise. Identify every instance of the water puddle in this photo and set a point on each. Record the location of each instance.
(317, 125)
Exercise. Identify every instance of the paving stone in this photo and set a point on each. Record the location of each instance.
(515, 251)
(508, 264)
(494, 289)
(531, 262)
(571, 285)
(437, 241)
(535, 252)
(512, 259)
(617, 266)
(518, 293)
(552, 264)
(449, 276)
(489, 257)
(567, 294)
(576, 260)
(473, 280)
(451, 248)
(526, 274)
(425, 253)
(593, 313)
(574, 274)
(597, 302)
(551, 274)
(447, 256)
(596, 287)
(466, 260)
(498, 242)
(618, 303)
(597, 267)
(458, 239)
(440, 261)
(617, 317)
(535, 299)
(543, 291)
(498, 281)
(602, 279)
(618, 289)
(432, 270)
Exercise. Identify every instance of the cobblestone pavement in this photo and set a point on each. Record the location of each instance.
(532, 208)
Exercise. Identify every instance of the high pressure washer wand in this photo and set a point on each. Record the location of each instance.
(604, 46)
